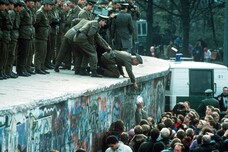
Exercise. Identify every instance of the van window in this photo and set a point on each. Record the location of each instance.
(200, 80)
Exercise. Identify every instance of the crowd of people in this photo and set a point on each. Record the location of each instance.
(37, 36)
(180, 130)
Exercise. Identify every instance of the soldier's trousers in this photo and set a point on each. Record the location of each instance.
(11, 57)
(90, 52)
(110, 68)
(30, 54)
(3, 55)
(40, 53)
(51, 48)
(23, 54)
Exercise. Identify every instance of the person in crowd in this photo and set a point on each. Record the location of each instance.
(122, 29)
(172, 144)
(148, 145)
(138, 138)
(207, 145)
(179, 147)
(124, 137)
(223, 100)
(198, 52)
(163, 141)
(115, 145)
(207, 55)
(140, 113)
(209, 100)
(113, 61)
(116, 128)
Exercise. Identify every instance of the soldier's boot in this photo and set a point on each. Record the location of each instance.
(1, 75)
(84, 72)
(76, 71)
(56, 69)
(95, 74)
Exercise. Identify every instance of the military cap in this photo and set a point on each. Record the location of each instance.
(91, 2)
(208, 91)
(74, 1)
(12, 1)
(138, 57)
(103, 17)
(21, 3)
(4, 2)
(99, 2)
(30, 0)
(124, 5)
(50, 2)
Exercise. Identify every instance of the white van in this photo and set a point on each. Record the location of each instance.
(188, 80)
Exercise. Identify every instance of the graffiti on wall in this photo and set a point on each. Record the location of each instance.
(79, 122)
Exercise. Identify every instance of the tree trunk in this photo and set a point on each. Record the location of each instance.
(225, 50)
(212, 23)
(149, 25)
(185, 18)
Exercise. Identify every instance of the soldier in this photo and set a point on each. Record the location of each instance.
(122, 29)
(15, 18)
(134, 11)
(42, 27)
(72, 14)
(86, 39)
(62, 16)
(6, 27)
(86, 12)
(68, 45)
(52, 38)
(26, 35)
(112, 64)
(209, 100)
(32, 7)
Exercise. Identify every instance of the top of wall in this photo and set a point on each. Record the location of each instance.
(24, 93)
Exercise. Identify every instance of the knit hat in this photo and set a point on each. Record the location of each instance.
(139, 100)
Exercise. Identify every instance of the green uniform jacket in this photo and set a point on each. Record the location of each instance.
(121, 58)
(91, 34)
(15, 18)
(86, 14)
(72, 14)
(70, 34)
(42, 25)
(6, 25)
(26, 30)
(122, 30)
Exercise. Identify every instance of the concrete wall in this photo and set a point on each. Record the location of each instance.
(79, 121)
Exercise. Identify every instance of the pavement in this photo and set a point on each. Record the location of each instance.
(36, 90)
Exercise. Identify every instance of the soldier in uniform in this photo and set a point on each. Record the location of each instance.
(87, 38)
(86, 12)
(209, 100)
(113, 62)
(62, 16)
(26, 35)
(15, 18)
(134, 11)
(71, 15)
(6, 27)
(68, 46)
(32, 7)
(42, 27)
(52, 38)
(122, 29)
